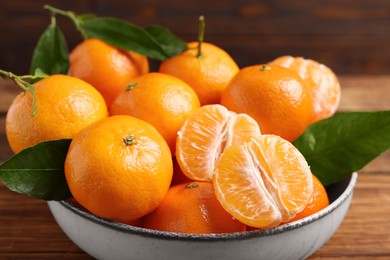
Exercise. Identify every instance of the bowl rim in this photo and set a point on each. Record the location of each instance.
(121, 227)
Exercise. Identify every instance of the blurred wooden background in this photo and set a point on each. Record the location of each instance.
(350, 36)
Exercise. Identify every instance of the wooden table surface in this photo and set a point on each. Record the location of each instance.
(28, 231)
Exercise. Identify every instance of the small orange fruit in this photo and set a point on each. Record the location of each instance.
(161, 100)
(107, 68)
(323, 83)
(264, 182)
(192, 208)
(208, 74)
(119, 168)
(274, 96)
(206, 134)
(318, 201)
(65, 106)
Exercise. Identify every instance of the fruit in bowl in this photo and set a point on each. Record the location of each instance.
(246, 164)
(105, 239)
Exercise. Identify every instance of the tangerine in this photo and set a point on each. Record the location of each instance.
(206, 134)
(276, 97)
(208, 73)
(192, 208)
(322, 81)
(161, 100)
(264, 182)
(65, 106)
(107, 68)
(119, 168)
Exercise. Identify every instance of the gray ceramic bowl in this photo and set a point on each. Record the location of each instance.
(104, 239)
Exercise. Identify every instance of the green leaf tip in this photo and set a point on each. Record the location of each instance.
(38, 171)
(344, 143)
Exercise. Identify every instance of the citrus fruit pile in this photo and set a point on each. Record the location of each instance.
(200, 146)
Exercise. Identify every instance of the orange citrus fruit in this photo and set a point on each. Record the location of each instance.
(65, 106)
(107, 68)
(192, 208)
(322, 81)
(207, 74)
(206, 134)
(162, 100)
(264, 182)
(119, 168)
(276, 97)
(317, 202)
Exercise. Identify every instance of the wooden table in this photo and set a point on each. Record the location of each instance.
(28, 231)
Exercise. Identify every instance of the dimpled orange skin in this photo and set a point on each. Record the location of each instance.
(208, 74)
(322, 81)
(118, 179)
(161, 100)
(276, 97)
(192, 207)
(107, 68)
(65, 106)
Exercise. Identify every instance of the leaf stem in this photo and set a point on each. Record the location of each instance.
(202, 25)
(78, 22)
(25, 86)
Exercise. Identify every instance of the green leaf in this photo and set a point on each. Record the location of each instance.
(338, 146)
(84, 17)
(51, 52)
(168, 41)
(152, 43)
(38, 171)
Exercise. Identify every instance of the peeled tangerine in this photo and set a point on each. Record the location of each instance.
(206, 134)
(264, 182)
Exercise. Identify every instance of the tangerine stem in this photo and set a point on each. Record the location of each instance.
(202, 25)
(129, 140)
(191, 185)
(131, 86)
(264, 68)
(23, 85)
(71, 15)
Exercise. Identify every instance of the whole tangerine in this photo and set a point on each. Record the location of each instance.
(65, 105)
(192, 207)
(107, 68)
(119, 168)
(276, 97)
(161, 100)
(207, 73)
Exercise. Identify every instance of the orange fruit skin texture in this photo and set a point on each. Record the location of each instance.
(322, 81)
(277, 98)
(161, 100)
(114, 179)
(65, 106)
(206, 134)
(192, 208)
(107, 68)
(319, 200)
(264, 182)
(208, 74)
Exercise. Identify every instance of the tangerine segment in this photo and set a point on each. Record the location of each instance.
(206, 134)
(263, 182)
(319, 200)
